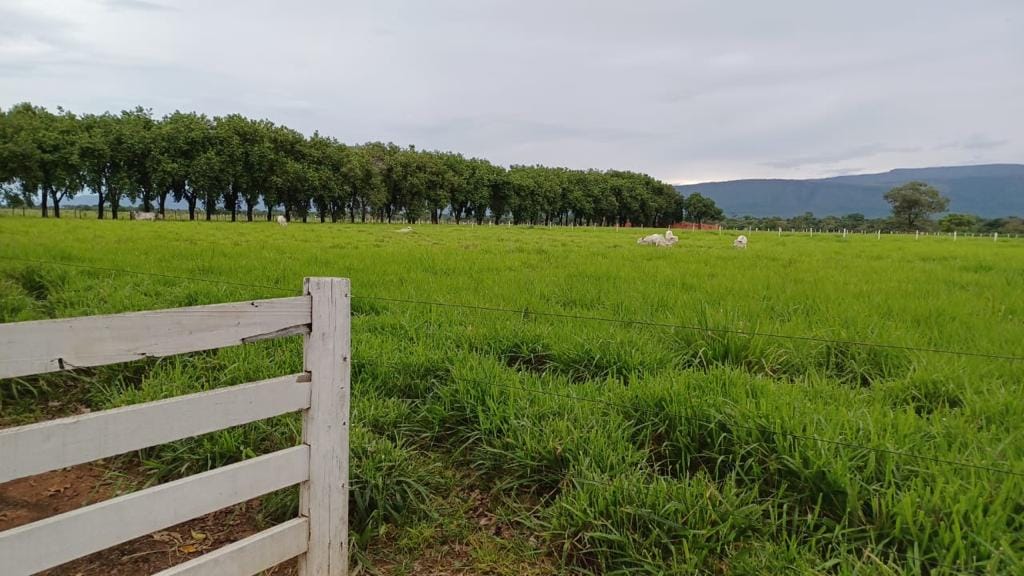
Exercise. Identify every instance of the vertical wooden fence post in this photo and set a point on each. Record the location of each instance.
(324, 498)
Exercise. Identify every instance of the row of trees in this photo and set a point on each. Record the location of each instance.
(237, 164)
(913, 205)
(962, 223)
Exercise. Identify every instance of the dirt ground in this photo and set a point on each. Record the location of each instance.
(484, 547)
(37, 497)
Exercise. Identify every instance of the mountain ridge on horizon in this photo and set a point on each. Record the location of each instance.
(987, 190)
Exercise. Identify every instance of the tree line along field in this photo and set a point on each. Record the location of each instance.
(236, 165)
(609, 448)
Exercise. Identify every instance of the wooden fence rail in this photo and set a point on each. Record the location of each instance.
(319, 465)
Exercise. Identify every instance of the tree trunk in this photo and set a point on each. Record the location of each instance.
(101, 205)
(115, 200)
(163, 202)
(248, 212)
(56, 203)
(192, 208)
(45, 203)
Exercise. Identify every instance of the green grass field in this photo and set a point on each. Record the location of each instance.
(607, 448)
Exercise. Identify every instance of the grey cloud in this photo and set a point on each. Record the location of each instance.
(143, 5)
(525, 131)
(856, 153)
(683, 91)
(975, 142)
(847, 171)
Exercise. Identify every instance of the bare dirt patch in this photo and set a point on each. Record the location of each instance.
(37, 497)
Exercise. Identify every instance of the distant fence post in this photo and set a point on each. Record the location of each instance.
(324, 498)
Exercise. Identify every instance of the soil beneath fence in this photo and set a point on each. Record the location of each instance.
(484, 548)
(37, 497)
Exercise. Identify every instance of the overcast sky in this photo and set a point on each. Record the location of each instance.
(685, 91)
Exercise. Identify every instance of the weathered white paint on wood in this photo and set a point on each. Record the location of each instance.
(37, 448)
(324, 498)
(34, 547)
(249, 556)
(52, 345)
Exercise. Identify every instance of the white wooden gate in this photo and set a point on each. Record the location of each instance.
(319, 465)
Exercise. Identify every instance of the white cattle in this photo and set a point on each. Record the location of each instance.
(282, 220)
(740, 242)
(405, 230)
(145, 215)
(663, 240)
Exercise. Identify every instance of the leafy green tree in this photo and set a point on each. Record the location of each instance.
(325, 160)
(259, 161)
(499, 193)
(364, 182)
(700, 209)
(915, 201)
(96, 164)
(853, 221)
(958, 222)
(441, 176)
(233, 143)
(288, 184)
(138, 154)
(805, 220)
(184, 138)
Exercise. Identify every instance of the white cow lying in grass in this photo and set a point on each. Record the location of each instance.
(405, 230)
(282, 220)
(665, 240)
(740, 242)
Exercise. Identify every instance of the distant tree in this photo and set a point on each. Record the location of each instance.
(12, 198)
(138, 155)
(1012, 226)
(958, 222)
(226, 161)
(1009, 225)
(853, 221)
(914, 202)
(480, 176)
(41, 154)
(701, 208)
(184, 138)
(805, 220)
(500, 185)
(232, 144)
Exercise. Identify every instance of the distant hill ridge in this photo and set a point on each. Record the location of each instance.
(988, 190)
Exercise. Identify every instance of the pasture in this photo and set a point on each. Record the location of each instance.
(677, 445)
